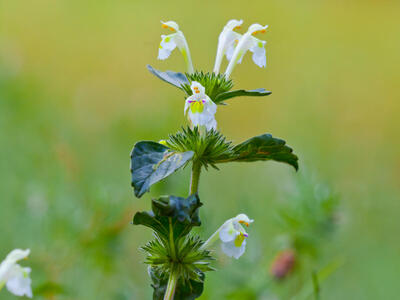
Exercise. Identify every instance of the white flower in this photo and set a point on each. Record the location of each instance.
(200, 108)
(170, 42)
(227, 41)
(15, 277)
(249, 42)
(233, 235)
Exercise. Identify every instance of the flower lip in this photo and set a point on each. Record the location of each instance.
(233, 24)
(197, 88)
(17, 254)
(257, 28)
(173, 26)
(242, 219)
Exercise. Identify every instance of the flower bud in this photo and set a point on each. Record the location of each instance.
(283, 264)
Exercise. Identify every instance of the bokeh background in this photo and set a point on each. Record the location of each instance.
(75, 95)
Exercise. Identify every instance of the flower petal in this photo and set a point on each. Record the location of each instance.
(167, 45)
(19, 282)
(258, 49)
(228, 232)
(8, 264)
(231, 250)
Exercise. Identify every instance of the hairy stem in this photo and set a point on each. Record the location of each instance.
(195, 178)
(172, 281)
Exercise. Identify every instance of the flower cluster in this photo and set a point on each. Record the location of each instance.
(232, 45)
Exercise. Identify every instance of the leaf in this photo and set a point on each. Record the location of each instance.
(184, 214)
(185, 290)
(152, 162)
(237, 93)
(263, 147)
(175, 78)
(185, 210)
(148, 219)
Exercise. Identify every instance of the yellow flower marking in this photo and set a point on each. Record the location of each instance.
(239, 240)
(197, 107)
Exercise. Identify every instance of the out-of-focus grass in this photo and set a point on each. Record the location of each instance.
(75, 96)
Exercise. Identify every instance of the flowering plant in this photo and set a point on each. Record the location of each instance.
(177, 258)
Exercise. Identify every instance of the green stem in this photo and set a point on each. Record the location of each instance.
(195, 178)
(171, 239)
(172, 281)
(2, 283)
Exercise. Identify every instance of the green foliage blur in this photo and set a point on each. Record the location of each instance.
(75, 96)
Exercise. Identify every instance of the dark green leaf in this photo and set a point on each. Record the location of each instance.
(263, 147)
(184, 210)
(237, 93)
(185, 290)
(182, 213)
(148, 219)
(175, 78)
(152, 162)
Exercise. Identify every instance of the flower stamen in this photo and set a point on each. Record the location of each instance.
(244, 223)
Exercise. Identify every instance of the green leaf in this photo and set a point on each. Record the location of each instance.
(152, 162)
(182, 213)
(185, 290)
(148, 219)
(239, 93)
(263, 147)
(184, 210)
(175, 78)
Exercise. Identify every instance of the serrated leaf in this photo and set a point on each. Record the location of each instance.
(263, 147)
(238, 93)
(175, 78)
(152, 162)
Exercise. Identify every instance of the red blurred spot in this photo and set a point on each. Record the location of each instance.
(283, 264)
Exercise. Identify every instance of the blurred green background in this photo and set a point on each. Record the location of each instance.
(75, 96)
